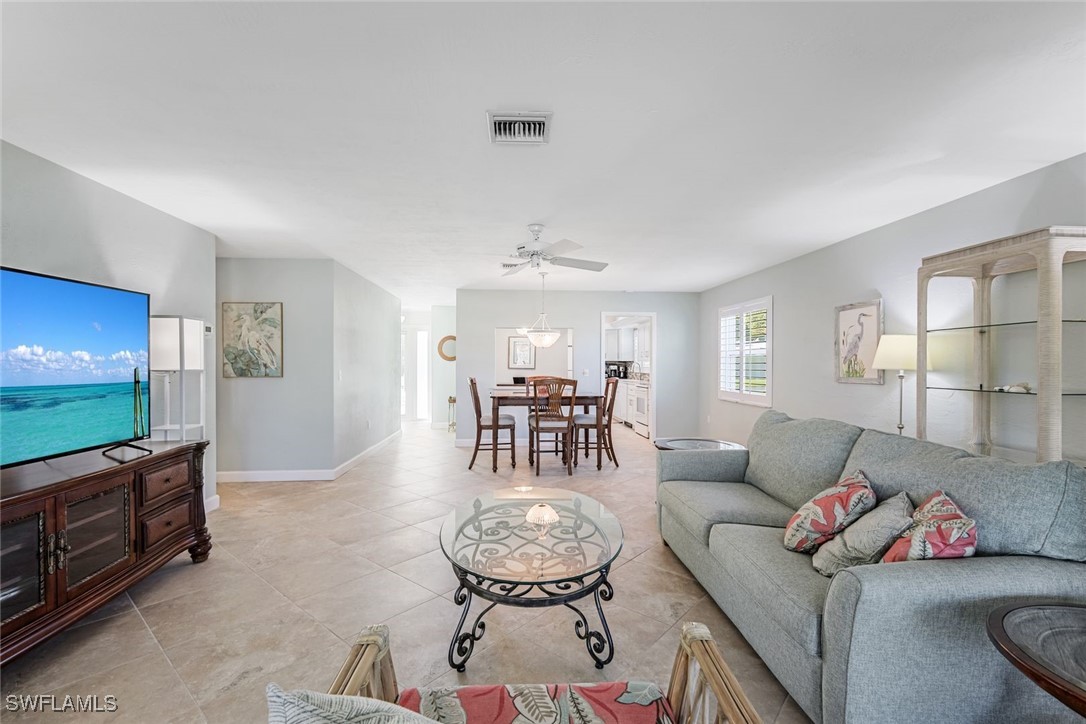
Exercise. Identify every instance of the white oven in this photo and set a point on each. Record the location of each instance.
(640, 412)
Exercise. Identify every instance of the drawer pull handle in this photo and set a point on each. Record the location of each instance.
(167, 481)
(169, 523)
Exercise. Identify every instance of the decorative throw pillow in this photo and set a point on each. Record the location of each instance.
(828, 513)
(866, 540)
(939, 530)
(311, 707)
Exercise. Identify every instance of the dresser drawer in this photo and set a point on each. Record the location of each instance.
(158, 527)
(166, 482)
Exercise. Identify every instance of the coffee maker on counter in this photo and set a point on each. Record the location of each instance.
(616, 369)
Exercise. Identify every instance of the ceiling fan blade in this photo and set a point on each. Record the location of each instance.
(579, 263)
(513, 268)
(561, 247)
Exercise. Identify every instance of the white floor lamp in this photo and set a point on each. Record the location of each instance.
(897, 352)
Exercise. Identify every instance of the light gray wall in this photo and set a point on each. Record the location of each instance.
(479, 312)
(883, 263)
(58, 222)
(553, 360)
(442, 372)
(281, 423)
(366, 388)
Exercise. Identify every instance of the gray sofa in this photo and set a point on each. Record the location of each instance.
(889, 642)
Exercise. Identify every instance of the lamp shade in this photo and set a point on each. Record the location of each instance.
(541, 514)
(171, 335)
(896, 352)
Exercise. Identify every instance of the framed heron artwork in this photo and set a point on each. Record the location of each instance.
(856, 337)
(252, 339)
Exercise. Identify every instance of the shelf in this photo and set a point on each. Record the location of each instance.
(175, 426)
(91, 518)
(1001, 324)
(1069, 393)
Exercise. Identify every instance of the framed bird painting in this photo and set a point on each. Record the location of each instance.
(252, 339)
(856, 337)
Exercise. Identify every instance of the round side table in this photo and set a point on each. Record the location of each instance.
(1047, 643)
(694, 443)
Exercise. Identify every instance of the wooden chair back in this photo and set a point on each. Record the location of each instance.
(553, 398)
(474, 385)
(702, 690)
(610, 394)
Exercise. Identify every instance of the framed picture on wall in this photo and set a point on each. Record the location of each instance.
(521, 354)
(252, 339)
(856, 337)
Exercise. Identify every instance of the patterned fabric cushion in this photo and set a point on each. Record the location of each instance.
(939, 530)
(866, 540)
(828, 513)
(310, 707)
(622, 702)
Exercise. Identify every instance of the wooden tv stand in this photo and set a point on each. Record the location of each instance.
(79, 529)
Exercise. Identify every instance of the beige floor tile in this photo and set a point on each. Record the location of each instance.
(354, 527)
(181, 576)
(655, 593)
(396, 547)
(660, 556)
(249, 653)
(388, 497)
(430, 570)
(282, 549)
(206, 614)
(146, 689)
(121, 603)
(791, 713)
(417, 511)
(304, 578)
(72, 654)
(347, 607)
(433, 525)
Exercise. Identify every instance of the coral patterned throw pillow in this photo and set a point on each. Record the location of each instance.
(940, 530)
(828, 513)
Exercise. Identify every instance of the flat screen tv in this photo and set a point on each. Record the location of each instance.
(70, 357)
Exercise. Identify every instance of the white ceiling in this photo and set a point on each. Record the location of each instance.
(692, 143)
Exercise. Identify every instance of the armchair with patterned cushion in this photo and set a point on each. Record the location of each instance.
(702, 690)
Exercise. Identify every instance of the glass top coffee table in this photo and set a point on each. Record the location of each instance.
(531, 547)
(694, 443)
(1046, 642)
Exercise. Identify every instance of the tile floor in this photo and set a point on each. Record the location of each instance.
(297, 568)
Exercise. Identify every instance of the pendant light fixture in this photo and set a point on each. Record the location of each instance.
(540, 333)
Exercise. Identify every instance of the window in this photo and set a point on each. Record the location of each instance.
(746, 352)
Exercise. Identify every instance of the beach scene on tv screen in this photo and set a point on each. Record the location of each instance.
(67, 355)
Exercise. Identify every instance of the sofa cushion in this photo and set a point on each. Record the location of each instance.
(794, 459)
(865, 541)
(1019, 509)
(699, 505)
(788, 589)
(940, 530)
(828, 513)
(629, 702)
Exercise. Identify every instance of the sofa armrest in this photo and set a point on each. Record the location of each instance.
(722, 466)
(907, 641)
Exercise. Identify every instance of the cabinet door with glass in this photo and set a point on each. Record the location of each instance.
(95, 534)
(26, 563)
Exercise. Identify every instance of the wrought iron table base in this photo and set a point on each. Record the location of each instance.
(600, 645)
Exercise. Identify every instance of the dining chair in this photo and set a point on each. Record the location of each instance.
(587, 422)
(553, 402)
(487, 423)
(528, 383)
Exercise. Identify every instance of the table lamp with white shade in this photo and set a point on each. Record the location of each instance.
(897, 352)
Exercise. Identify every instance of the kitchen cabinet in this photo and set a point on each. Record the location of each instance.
(626, 343)
(621, 401)
(610, 344)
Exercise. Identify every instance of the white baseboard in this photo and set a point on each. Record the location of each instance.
(279, 476)
(211, 503)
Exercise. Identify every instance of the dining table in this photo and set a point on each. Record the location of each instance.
(520, 397)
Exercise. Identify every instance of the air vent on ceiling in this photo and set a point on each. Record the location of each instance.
(519, 126)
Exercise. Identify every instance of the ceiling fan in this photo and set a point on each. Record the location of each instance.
(533, 255)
